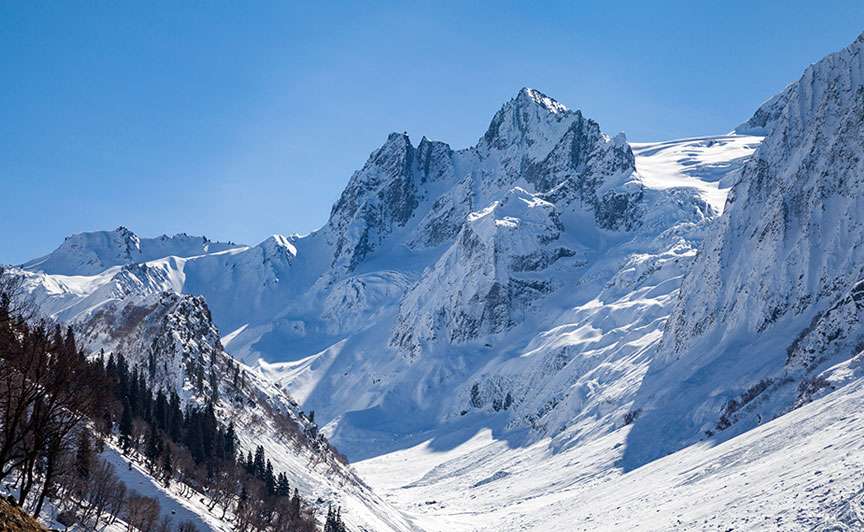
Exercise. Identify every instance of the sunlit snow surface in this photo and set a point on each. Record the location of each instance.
(704, 163)
(798, 472)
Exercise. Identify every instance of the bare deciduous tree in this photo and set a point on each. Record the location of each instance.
(141, 513)
(187, 526)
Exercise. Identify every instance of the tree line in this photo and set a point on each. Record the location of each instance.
(59, 409)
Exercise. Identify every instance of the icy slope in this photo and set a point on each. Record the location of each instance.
(773, 303)
(707, 164)
(798, 472)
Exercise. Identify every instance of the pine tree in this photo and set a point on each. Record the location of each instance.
(175, 422)
(83, 456)
(153, 444)
(260, 468)
(167, 465)
(145, 399)
(111, 366)
(283, 488)
(329, 521)
(340, 526)
(126, 426)
(250, 463)
(69, 347)
(195, 435)
(230, 443)
(133, 394)
(334, 523)
(295, 504)
(270, 479)
(160, 411)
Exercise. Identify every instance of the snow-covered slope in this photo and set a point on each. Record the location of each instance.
(707, 164)
(171, 339)
(799, 472)
(769, 315)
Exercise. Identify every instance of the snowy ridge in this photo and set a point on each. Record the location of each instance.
(92, 253)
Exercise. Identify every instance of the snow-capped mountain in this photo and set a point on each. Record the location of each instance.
(769, 314)
(464, 261)
(93, 253)
(552, 299)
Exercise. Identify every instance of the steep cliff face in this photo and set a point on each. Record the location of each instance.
(383, 196)
(483, 283)
(772, 299)
(420, 196)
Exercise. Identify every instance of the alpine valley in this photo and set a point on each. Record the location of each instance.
(553, 329)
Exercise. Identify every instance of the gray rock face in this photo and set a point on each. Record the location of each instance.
(383, 196)
(474, 289)
(833, 334)
(167, 335)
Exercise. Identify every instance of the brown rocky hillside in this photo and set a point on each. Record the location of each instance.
(13, 519)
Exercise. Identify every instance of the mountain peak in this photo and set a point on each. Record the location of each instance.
(529, 118)
(397, 138)
(278, 244)
(527, 94)
(838, 74)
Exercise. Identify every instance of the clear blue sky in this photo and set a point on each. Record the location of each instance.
(239, 120)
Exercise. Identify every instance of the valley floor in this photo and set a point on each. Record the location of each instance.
(802, 471)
